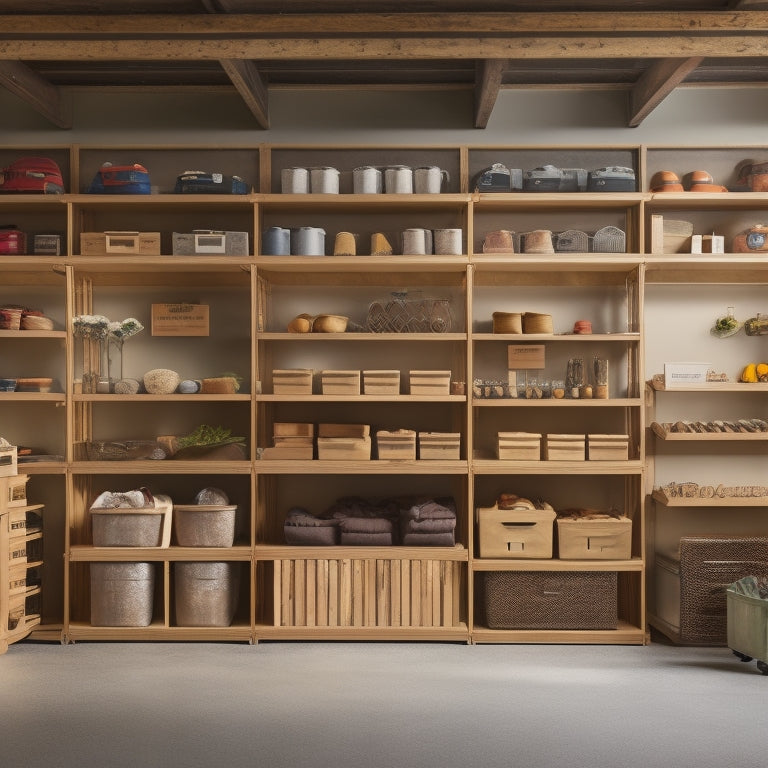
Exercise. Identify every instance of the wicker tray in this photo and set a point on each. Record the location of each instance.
(404, 315)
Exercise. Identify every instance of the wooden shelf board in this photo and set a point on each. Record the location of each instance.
(457, 633)
(569, 337)
(731, 501)
(173, 398)
(558, 200)
(362, 263)
(634, 564)
(160, 467)
(707, 437)
(361, 398)
(362, 336)
(24, 334)
(286, 552)
(546, 467)
(42, 468)
(86, 553)
(158, 632)
(552, 402)
(625, 634)
(714, 386)
(371, 467)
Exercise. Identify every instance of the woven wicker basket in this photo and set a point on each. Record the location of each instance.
(507, 322)
(571, 241)
(534, 322)
(10, 319)
(609, 240)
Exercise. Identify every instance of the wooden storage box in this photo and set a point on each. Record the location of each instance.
(120, 243)
(381, 382)
(572, 600)
(519, 446)
(292, 381)
(344, 442)
(440, 446)
(368, 592)
(292, 440)
(607, 447)
(515, 533)
(399, 444)
(595, 539)
(564, 447)
(430, 382)
(14, 490)
(17, 579)
(8, 461)
(340, 382)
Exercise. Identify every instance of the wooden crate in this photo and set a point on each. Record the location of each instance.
(565, 447)
(341, 442)
(292, 381)
(519, 446)
(381, 382)
(13, 490)
(291, 440)
(515, 533)
(595, 539)
(120, 243)
(430, 382)
(367, 592)
(340, 382)
(607, 447)
(399, 445)
(439, 446)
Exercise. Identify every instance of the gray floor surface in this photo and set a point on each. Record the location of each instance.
(366, 705)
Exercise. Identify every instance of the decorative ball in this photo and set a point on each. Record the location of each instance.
(189, 387)
(211, 496)
(127, 387)
(161, 381)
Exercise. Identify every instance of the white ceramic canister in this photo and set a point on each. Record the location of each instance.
(417, 242)
(367, 180)
(398, 180)
(294, 181)
(308, 241)
(276, 241)
(429, 179)
(447, 242)
(324, 180)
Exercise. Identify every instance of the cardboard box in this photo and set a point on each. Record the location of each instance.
(438, 446)
(515, 533)
(558, 447)
(292, 381)
(340, 382)
(685, 374)
(120, 243)
(430, 382)
(519, 446)
(398, 445)
(607, 447)
(594, 539)
(381, 382)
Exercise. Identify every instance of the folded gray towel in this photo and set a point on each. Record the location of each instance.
(367, 539)
(429, 540)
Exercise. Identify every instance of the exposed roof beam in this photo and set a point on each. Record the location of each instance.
(488, 74)
(245, 76)
(655, 84)
(41, 95)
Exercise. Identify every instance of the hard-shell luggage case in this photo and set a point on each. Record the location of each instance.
(120, 180)
(202, 183)
(611, 179)
(32, 175)
(545, 178)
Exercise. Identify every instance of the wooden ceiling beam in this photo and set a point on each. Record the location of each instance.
(42, 96)
(488, 76)
(655, 84)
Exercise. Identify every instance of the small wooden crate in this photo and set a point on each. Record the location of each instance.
(292, 440)
(595, 539)
(381, 382)
(398, 445)
(439, 446)
(120, 243)
(516, 533)
(359, 592)
(519, 446)
(607, 447)
(430, 382)
(14, 490)
(8, 461)
(340, 382)
(344, 442)
(565, 447)
(292, 381)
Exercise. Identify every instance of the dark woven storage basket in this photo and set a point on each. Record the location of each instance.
(707, 566)
(550, 599)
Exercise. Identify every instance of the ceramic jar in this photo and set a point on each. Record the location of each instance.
(294, 181)
(324, 180)
(367, 180)
(398, 180)
(308, 241)
(417, 242)
(276, 241)
(429, 180)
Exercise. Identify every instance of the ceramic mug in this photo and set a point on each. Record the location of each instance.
(367, 180)
(308, 241)
(276, 241)
(294, 181)
(324, 180)
(429, 179)
(398, 180)
(447, 242)
(417, 242)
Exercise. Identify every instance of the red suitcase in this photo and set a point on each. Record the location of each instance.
(12, 240)
(32, 174)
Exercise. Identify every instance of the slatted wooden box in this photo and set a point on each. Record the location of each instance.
(595, 539)
(292, 440)
(607, 447)
(292, 381)
(519, 446)
(340, 382)
(436, 446)
(358, 592)
(430, 382)
(120, 243)
(515, 533)
(344, 442)
(381, 382)
(559, 447)
(397, 445)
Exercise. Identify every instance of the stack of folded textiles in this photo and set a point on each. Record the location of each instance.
(430, 522)
(302, 528)
(364, 522)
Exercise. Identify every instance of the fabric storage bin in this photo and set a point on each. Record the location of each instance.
(520, 533)
(748, 624)
(122, 594)
(595, 539)
(550, 599)
(205, 593)
(204, 525)
(133, 526)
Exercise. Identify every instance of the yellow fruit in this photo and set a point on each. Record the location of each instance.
(749, 374)
(762, 371)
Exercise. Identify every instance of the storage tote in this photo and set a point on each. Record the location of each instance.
(122, 594)
(206, 594)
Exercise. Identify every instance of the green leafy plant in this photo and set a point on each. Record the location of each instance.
(207, 435)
